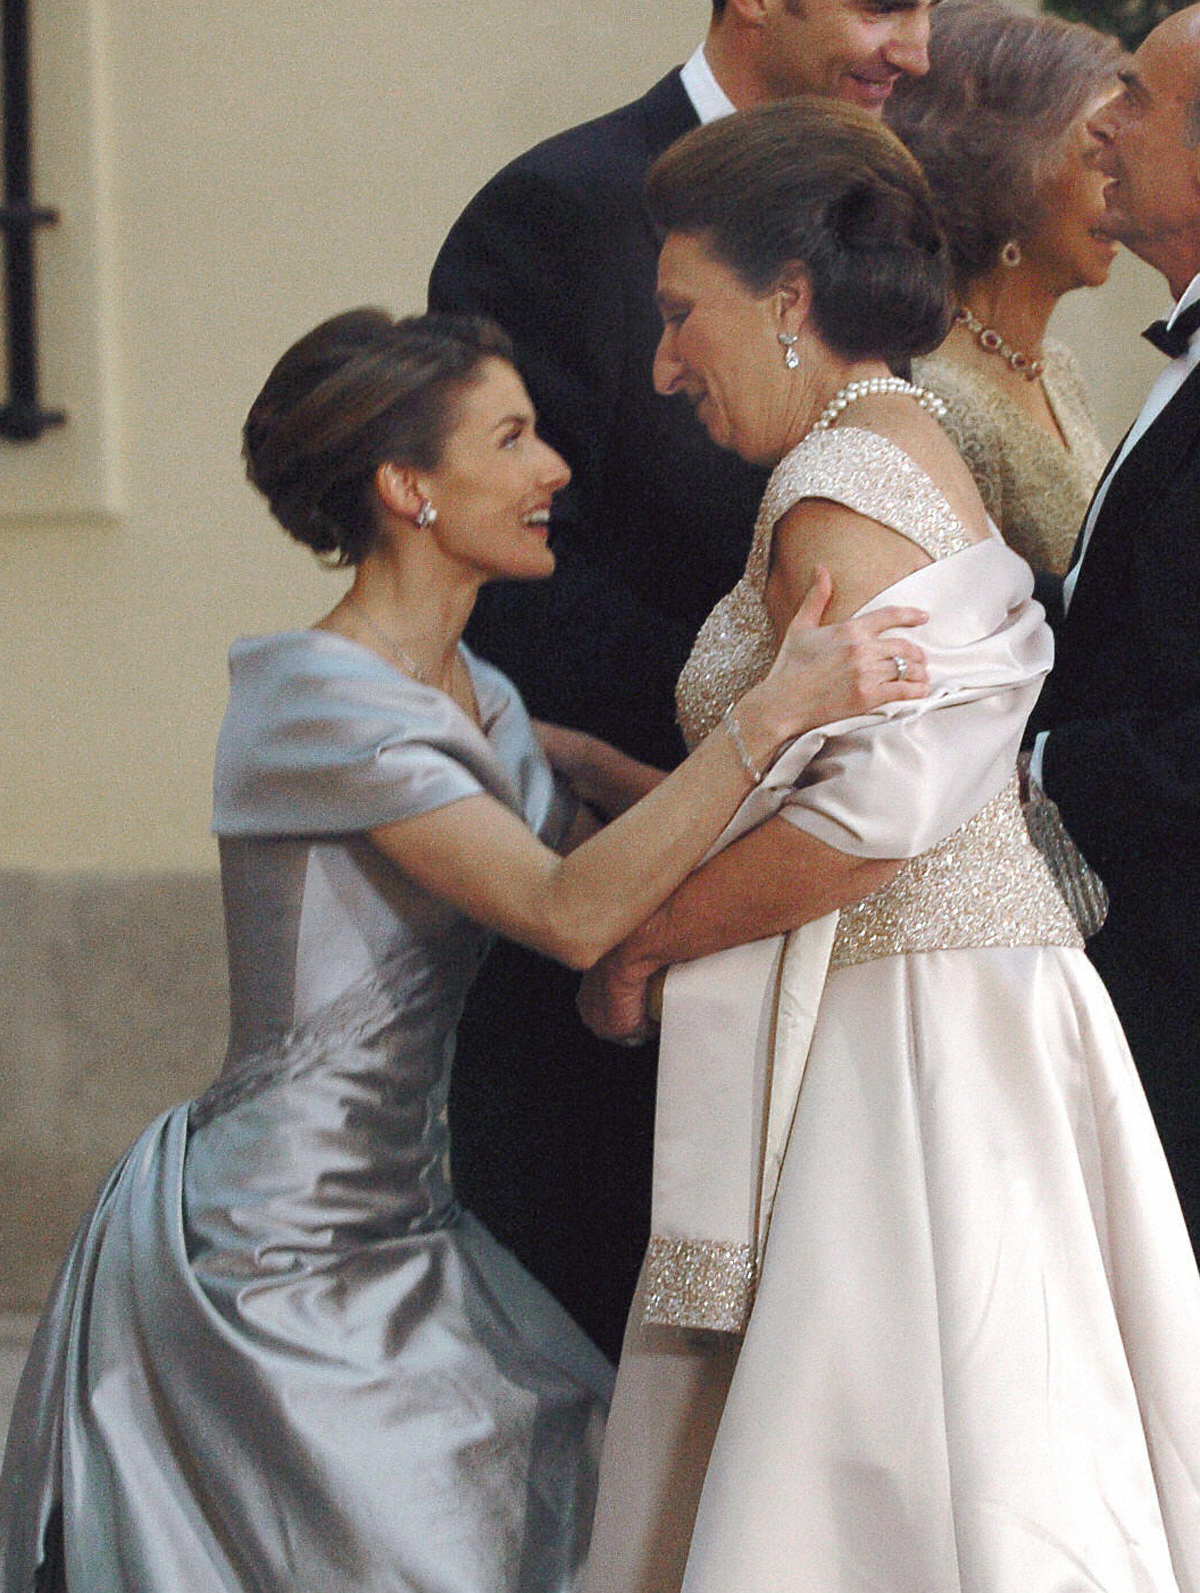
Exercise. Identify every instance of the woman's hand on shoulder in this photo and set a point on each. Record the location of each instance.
(839, 671)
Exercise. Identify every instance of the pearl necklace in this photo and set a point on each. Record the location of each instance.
(877, 384)
(1030, 366)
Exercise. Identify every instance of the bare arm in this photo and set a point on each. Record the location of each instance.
(599, 774)
(777, 877)
(772, 880)
(864, 556)
(480, 856)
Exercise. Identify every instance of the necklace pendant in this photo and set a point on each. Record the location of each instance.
(406, 661)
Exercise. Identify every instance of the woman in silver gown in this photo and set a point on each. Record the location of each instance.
(279, 1356)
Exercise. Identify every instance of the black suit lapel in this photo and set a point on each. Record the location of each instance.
(668, 113)
(1165, 448)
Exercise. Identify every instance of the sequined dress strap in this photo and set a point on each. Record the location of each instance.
(867, 473)
(846, 465)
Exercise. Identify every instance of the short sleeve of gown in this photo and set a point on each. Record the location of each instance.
(321, 737)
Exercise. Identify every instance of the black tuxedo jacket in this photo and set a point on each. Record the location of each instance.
(1123, 702)
(656, 524)
(1122, 706)
(553, 1129)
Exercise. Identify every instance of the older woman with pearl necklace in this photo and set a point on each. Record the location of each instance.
(917, 1270)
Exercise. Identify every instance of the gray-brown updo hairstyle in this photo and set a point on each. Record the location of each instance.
(352, 394)
(812, 182)
(990, 120)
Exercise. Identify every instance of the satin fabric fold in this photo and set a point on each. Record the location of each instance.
(736, 1026)
(280, 1355)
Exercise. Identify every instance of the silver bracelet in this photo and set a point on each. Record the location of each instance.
(734, 730)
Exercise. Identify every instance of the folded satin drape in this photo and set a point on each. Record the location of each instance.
(737, 1025)
(736, 1032)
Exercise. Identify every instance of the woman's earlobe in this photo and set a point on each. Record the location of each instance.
(793, 298)
(396, 488)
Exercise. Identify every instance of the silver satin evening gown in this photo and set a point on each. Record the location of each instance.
(279, 1355)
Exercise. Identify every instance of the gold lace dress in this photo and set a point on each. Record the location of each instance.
(1035, 490)
(973, 1359)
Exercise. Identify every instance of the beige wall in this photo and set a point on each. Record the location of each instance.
(266, 165)
(255, 168)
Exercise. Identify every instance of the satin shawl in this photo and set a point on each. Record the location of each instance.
(737, 1026)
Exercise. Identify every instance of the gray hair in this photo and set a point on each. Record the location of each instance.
(1003, 90)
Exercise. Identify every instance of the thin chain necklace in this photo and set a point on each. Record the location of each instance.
(1030, 366)
(465, 697)
(876, 384)
(406, 661)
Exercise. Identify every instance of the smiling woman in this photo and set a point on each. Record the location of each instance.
(306, 1365)
(901, 1152)
(495, 476)
(763, 252)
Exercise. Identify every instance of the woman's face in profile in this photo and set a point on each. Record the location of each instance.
(1070, 246)
(494, 483)
(719, 349)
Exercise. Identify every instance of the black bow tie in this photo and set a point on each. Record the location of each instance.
(1173, 340)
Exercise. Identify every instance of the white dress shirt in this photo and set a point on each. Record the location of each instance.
(708, 98)
(1168, 382)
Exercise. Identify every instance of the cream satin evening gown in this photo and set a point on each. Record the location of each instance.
(973, 1361)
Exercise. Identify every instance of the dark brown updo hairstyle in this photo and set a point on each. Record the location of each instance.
(352, 394)
(813, 182)
(990, 120)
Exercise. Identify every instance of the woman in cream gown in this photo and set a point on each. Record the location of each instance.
(971, 1317)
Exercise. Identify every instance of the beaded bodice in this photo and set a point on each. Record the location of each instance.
(857, 468)
(985, 884)
(1035, 489)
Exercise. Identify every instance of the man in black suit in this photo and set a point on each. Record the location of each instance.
(1119, 721)
(553, 1128)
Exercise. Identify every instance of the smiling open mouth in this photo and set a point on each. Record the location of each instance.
(875, 88)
